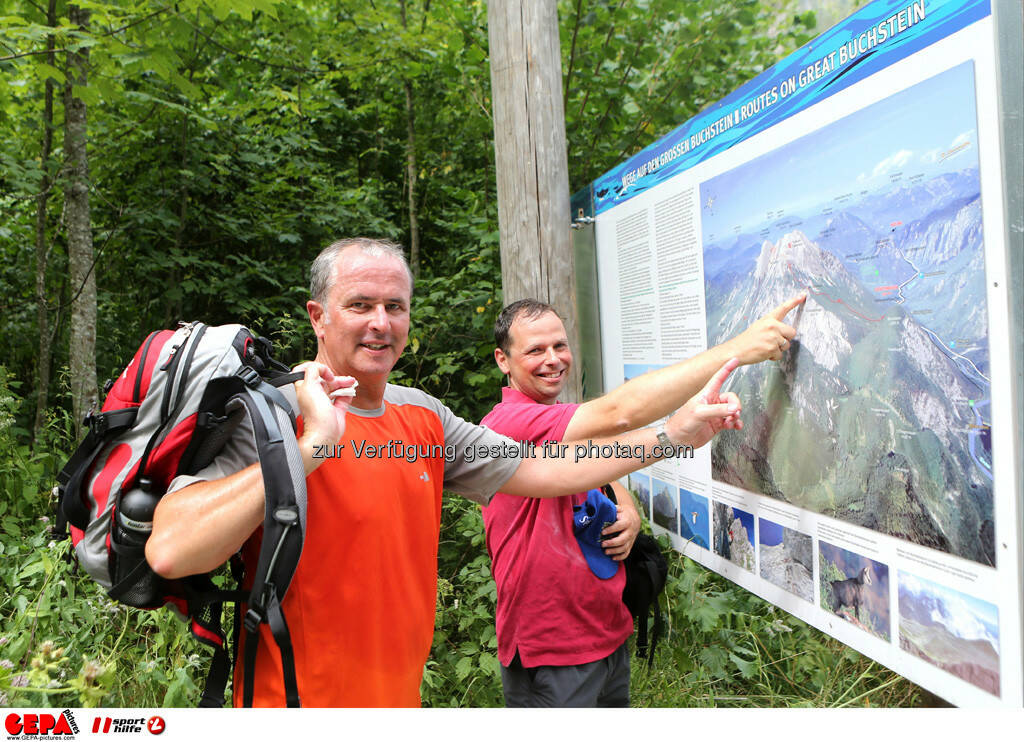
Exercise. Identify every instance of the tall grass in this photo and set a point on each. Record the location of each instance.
(62, 641)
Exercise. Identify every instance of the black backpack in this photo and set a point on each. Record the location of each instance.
(169, 413)
(646, 573)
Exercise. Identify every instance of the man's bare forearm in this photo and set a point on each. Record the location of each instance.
(644, 399)
(586, 464)
(198, 528)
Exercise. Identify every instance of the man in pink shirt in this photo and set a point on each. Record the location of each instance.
(561, 629)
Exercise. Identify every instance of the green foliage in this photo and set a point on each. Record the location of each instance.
(450, 351)
(62, 642)
(634, 71)
(727, 647)
(227, 148)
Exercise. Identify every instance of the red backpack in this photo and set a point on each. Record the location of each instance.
(169, 413)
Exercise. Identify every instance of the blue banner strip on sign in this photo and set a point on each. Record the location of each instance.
(875, 37)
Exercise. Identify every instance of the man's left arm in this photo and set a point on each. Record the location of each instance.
(621, 534)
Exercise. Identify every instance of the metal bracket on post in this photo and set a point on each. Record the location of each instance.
(580, 220)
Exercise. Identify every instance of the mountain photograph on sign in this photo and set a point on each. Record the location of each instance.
(734, 535)
(665, 505)
(950, 629)
(879, 414)
(787, 558)
(639, 484)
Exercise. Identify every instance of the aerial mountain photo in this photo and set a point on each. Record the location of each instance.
(951, 630)
(879, 413)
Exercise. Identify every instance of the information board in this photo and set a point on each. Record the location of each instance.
(875, 488)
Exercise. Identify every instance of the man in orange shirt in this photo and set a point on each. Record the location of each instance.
(360, 607)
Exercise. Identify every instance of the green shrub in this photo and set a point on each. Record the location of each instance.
(62, 641)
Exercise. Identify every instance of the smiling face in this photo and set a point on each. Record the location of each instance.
(538, 358)
(362, 328)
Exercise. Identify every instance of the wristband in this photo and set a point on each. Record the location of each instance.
(665, 442)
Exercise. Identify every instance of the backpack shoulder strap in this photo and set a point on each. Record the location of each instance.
(273, 424)
(284, 528)
(286, 379)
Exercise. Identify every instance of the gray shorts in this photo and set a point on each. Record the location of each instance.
(603, 683)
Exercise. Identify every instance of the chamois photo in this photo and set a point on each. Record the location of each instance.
(850, 592)
(855, 588)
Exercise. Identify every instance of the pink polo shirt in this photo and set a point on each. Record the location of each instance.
(551, 607)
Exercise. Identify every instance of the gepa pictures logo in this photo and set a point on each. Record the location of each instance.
(121, 725)
(41, 726)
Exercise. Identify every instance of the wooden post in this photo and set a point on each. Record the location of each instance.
(531, 162)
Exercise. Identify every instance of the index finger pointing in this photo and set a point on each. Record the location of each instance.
(715, 385)
(786, 307)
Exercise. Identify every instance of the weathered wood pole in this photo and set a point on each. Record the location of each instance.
(530, 159)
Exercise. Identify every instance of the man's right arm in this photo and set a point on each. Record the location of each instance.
(198, 527)
(696, 423)
(658, 393)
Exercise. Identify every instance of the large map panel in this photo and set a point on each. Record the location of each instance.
(871, 491)
(879, 416)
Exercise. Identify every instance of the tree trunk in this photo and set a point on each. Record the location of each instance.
(410, 165)
(410, 170)
(42, 249)
(82, 355)
(530, 161)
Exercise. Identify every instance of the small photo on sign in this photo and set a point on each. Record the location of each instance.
(734, 535)
(666, 505)
(640, 485)
(694, 518)
(952, 630)
(855, 588)
(632, 370)
(787, 559)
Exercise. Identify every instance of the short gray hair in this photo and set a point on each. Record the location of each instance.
(321, 272)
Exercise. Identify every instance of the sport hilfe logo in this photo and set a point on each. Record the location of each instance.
(41, 725)
(114, 725)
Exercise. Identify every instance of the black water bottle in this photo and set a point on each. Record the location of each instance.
(134, 582)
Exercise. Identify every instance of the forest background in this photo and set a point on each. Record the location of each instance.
(165, 161)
